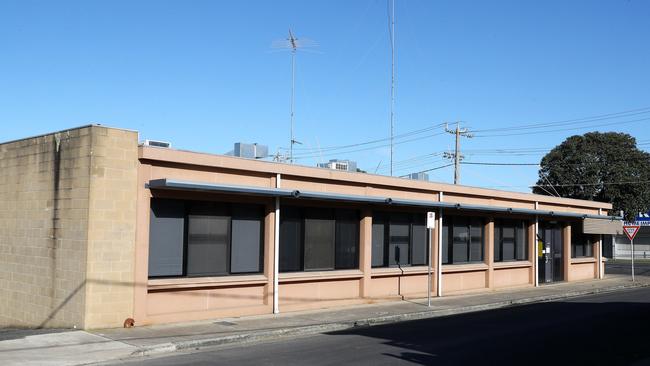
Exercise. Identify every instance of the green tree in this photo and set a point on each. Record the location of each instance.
(606, 167)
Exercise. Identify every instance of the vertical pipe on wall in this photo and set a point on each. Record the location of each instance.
(276, 250)
(600, 251)
(440, 244)
(536, 249)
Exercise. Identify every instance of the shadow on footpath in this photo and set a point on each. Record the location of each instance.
(558, 333)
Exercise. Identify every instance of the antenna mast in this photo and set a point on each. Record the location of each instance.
(293, 44)
(392, 82)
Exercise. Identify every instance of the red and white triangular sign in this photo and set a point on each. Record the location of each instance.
(631, 231)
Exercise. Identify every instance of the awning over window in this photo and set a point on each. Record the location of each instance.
(325, 196)
(601, 226)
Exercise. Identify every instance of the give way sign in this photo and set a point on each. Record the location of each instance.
(631, 231)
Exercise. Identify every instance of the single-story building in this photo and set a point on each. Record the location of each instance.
(96, 228)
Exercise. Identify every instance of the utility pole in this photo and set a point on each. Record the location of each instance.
(457, 155)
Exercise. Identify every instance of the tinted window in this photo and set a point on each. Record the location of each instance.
(166, 236)
(290, 239)
(247, 227)
(318, 239)
(193, 238)
(347, 239)
(510, 240)
(462, 240)
(378, 241)
(582, 245)
(399, 239)
(208, 240)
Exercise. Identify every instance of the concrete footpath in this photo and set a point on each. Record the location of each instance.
(73, 347)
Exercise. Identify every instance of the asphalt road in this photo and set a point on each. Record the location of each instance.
(607, 329)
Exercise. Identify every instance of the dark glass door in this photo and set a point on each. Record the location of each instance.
(550, 255)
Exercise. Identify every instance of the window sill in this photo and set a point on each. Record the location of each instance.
(469, 267)
(320, 275)
(512, 264)
(392, 271)
(583, 260)
(198, 282)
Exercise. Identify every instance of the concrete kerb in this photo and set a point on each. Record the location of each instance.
(264, 335)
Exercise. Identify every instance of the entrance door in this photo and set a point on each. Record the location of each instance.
(550, 255)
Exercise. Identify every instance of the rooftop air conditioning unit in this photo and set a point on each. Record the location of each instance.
(156, 143)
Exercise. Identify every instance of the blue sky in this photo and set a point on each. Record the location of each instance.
(203, 75)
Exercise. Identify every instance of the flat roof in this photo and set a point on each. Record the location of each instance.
(237, 163)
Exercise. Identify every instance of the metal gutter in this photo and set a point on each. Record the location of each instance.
(182, 185)
(296, 194)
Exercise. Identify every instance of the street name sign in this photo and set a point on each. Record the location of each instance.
(431, 220)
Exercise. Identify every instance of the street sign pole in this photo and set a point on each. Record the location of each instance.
(632, 244)
(429, 271)
(431, 224)
(631, 231)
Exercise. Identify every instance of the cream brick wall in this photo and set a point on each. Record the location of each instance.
(111, 228)
(44, 189)
(67, 228)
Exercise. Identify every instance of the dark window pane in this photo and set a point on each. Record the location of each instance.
(476, 241)
(290, 239)
(319, 239)
(347, 239)
(398, 247)
(581, 244)
(166, 234)
(460, 240)
(497, 242)
(508, 237)
(419, 245)
(246, 251)
(378, 248)
(522, 241)
(207, 241)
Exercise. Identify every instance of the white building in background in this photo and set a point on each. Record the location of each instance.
(620, 244)
(419, 176)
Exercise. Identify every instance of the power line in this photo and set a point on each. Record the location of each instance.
(501, 164)
(567, 129)
(405, 134)
(429, 170)
(627, 113)
(307, 156)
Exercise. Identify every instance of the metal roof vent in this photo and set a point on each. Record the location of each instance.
(156, 143)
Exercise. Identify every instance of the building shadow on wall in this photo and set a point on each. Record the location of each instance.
(559, 333)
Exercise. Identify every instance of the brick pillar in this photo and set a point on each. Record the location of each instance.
(489, 252)
(597, 254)
(110, 280)
(269, 254)
(365, 252)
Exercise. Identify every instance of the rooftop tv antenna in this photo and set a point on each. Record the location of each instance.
(293, 43)
(391, 30)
